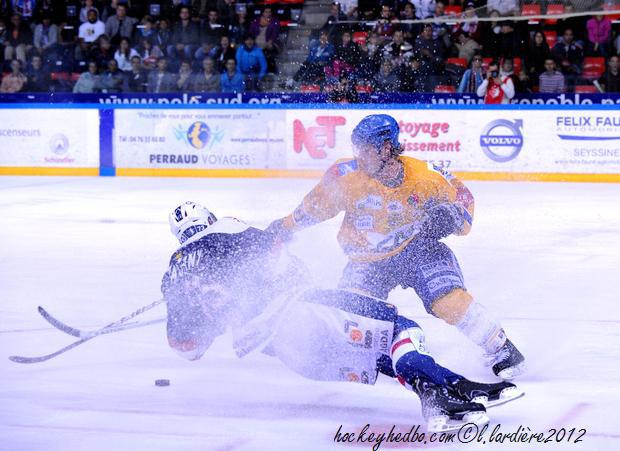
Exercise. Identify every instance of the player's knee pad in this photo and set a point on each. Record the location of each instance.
(408, 338)
(481, 328)
(453, 306)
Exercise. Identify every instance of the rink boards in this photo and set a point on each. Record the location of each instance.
(572, 143)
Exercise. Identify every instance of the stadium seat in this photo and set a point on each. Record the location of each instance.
(593, 67)
(453, 10)
(363, 89)
(613, 17)
(461, 62)
(445, 89)
(585, 89)
(485, 62)
(360, 37)
(75, 76)
(60, 76)
(516, 63)
(307, 89)
(531, 10)
(551, 37)
(554, 9)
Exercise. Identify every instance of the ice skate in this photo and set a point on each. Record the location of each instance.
(508, 362)
(489, 395)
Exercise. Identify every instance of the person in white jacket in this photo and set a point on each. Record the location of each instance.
(496, 89)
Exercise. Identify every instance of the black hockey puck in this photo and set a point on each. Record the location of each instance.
(162, 382)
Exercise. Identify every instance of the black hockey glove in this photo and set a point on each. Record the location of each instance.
(441, 221)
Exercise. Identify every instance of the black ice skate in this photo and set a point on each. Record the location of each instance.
(489, 395)
(444, 410)
(508, 362)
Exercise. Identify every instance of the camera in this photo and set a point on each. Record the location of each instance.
(494, 74)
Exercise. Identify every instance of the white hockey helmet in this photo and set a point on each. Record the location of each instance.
(188, 219)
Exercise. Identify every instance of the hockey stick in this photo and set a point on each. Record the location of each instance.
(112, 327)
(87, 333)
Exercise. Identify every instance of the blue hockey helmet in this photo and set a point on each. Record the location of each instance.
(376, 129)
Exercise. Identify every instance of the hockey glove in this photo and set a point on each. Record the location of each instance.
(442, 220)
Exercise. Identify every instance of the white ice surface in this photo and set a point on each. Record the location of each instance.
(545, 258)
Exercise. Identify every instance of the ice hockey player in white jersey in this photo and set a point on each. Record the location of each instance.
(226, 274)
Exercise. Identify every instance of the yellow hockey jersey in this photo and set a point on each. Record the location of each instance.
(379, 221)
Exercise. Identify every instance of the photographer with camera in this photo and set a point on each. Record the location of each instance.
(496, 89)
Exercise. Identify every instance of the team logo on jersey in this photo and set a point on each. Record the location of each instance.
(370, 203)
(501, 140)
(413, 200)
(356, 335)
(364, 223)
(178, 255)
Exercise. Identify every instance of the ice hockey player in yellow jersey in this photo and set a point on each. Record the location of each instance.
(397, 209)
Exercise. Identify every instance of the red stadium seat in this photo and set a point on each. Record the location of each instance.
(306, 89)
(612, 17)
(485, 63)
(461, 62)
(551, 37)
(454, 10)
(60, 76)
(585, 89)
(516, 63)
(445, 89)
(363, 89)
(593, 67)
(531, 10)
(554, 9)
(359, 37)
(75, 76)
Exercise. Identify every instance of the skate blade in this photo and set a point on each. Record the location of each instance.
(506, 395)
(443, 423)
(512, 372)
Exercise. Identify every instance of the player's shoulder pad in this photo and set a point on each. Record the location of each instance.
(343, 167)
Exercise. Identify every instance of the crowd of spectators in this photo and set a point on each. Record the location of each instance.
(114, 46)
(377, 48)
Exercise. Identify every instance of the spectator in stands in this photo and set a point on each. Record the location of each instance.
(466, 46)
(320, 54)
(211, 32)
(410, 30)
(370, 57)
(472, 77)
(226, 10)
(414, 77)
(39, 78)
(491, 36)
(266, 32)
(160, 80)
(112, 79)
(495, 89)
(473, 27)
(551, 81)
(331, 26)
(69, 53)
(430, 50)
(577, 24)
(232, 81)
(163, 37)
(88, 82)
(386, 79)
(509, 40)
(124, 54)
(424, 8)
(184, 77)
(102, 52)
(536, 56)
(149, 53)
(84, 10)
(185, 37)
(20, 40)
(223, 53)
(384, 26)
(344, 91)
(3, 40)
(207, 80)
(568, 54)
(46, 38)
(136, 80)
(503, 7)
(599, 36)
(239, 27)
(348, 51)
(398, 49)
(15, 80)
(146, 30)
(610, 80)
(90, 30)
(120, 25)
(441, 31)
(251, 63)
